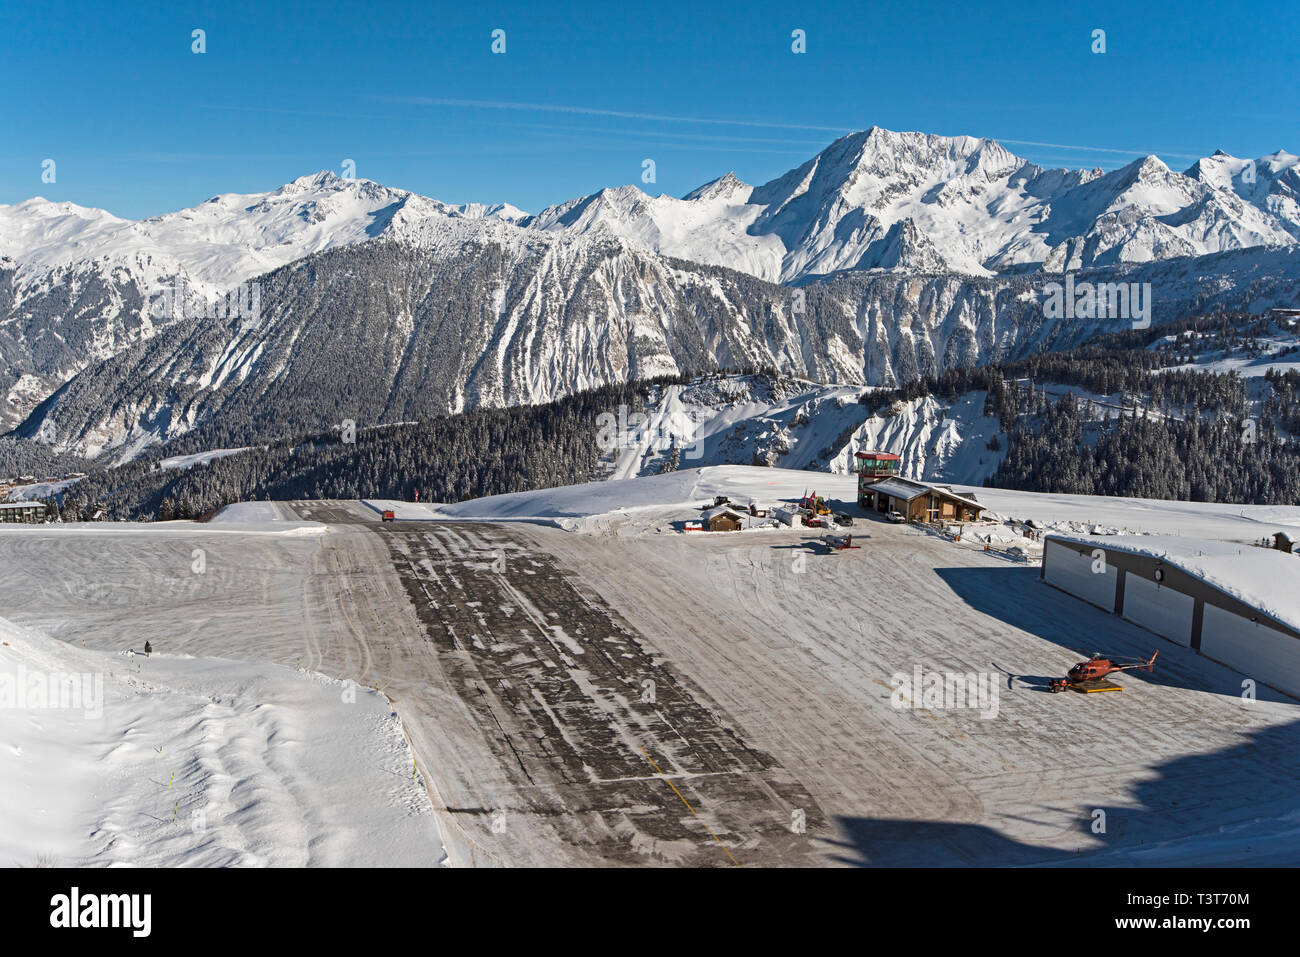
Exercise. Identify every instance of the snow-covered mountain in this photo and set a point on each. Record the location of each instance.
(1270, 182)
(914, 253)
(76, 284)
(913, 201)
(399, 331)
(227, 239)
(875, 199)
(794, 424)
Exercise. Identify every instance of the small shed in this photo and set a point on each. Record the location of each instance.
(723, 518)
(1283, 541)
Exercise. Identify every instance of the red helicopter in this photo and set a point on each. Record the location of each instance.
(1089, 675)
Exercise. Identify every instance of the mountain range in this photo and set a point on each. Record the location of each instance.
(885, 257)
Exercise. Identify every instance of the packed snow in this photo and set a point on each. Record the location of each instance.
(656, 502)
(112, 758)
(796, 666)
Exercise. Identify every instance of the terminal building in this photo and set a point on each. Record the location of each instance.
(881, 487)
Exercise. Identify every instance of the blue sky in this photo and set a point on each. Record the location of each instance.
(139, 125)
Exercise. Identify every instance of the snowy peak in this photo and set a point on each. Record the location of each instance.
(228, 238)
(971, 205)
(724, 187)
(38, 228)
(1270, 183)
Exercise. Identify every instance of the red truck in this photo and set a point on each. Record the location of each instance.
(388, 516)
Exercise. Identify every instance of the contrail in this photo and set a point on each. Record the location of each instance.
(766, 124)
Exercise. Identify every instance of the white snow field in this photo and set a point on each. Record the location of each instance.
(560, 657)
(171, 760)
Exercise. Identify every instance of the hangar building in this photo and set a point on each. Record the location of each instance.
(1236, 604)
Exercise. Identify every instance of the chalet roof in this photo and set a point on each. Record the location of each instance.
(722, 510)
(909, 489)
(902, 488)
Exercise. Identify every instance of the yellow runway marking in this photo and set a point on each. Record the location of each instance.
(688, 804)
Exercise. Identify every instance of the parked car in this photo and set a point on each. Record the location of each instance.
(896, 516)
(844, 518)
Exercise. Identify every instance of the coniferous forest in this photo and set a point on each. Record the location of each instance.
(446, 459)
(1178, 434)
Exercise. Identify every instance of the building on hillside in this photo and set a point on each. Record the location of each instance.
(921, 501)
(1283, 542)
(723, 518)
(872, 467)
(30, 512)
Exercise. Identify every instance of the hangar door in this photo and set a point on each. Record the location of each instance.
(1159, 608)
(1074, 572)
(1257, 651)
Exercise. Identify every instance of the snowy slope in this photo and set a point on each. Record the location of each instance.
(167, 760)
(1139, 516)
(741, 420)
(938, 440)
(794, 424)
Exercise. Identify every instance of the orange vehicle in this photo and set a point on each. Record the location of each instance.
(388, 516)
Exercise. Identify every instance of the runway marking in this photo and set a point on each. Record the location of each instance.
(688, 805)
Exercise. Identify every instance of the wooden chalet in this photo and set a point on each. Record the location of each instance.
(920, 501)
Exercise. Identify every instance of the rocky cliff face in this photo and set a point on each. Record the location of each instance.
(392, 331)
